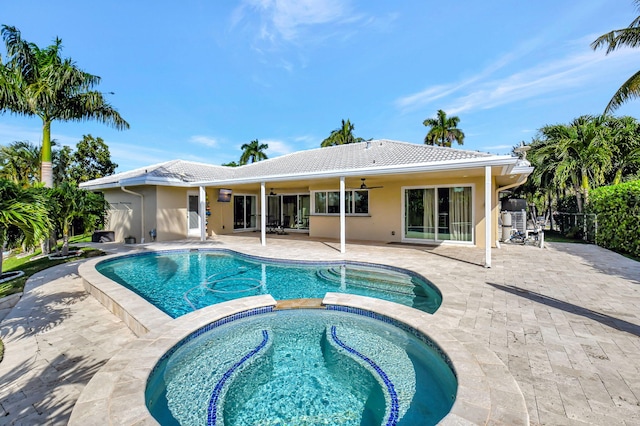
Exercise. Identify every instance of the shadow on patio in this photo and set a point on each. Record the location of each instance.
(604, 319)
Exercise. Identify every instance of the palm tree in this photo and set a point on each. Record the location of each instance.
(341, 136)
(24, 209)
(38, 82)
(579, 152)
(20, 163)
(629, 36)
(253, 151)
(444, 130)
(69, 202)
(624, 145)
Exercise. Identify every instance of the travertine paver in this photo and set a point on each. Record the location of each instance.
(55, 339)
(564, 320)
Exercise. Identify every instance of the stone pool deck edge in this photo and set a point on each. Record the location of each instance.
(487, 392)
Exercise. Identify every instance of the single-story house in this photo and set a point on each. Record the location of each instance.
(378, 190)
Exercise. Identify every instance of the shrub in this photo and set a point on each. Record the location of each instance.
(618, 210)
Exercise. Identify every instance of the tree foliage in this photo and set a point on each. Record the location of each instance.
(613, 40)
(253, 151)
(39, 82)
(444, 130)
(571, 161)
(91, 160)
(20, 163)
(69, 202)
(342, 135)
(618, 210)
(24, 209)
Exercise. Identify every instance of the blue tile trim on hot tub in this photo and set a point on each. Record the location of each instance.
(209, 327)
(395, 406)
(212, 411)
(419, 335)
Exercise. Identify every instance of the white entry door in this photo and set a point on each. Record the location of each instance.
(193, 216)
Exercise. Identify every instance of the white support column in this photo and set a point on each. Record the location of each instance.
(488, 236)
(263, 213)
(202, 212)
(343, 232)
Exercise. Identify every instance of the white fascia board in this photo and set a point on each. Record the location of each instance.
(159, 181)
(137, 181)
(372, 171)
(521, 170)
(99, 186)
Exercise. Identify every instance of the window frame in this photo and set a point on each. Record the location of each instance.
(436, 187)
(333, 208)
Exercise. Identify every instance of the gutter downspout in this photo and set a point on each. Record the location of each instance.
(141, 210)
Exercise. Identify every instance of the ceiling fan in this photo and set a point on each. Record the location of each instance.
(364, 185)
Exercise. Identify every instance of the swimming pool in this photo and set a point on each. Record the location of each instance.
(179, 282)
(303, 367)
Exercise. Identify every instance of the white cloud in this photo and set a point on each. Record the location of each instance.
(285, 18)
(277, 148)
(555, 76)
(204, 140)
(497, 148)
(131, 156)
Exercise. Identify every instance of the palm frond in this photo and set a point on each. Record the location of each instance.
(630, 89)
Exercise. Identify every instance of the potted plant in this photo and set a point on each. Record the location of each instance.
(129, 240)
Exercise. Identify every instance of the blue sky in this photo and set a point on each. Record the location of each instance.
(197, 79)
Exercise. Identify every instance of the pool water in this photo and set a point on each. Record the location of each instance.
(291, 368)
(181, 282)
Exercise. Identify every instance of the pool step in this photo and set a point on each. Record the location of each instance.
(382, 282)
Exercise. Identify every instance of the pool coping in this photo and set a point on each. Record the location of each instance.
(487, 392)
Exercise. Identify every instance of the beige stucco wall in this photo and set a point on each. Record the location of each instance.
(221, 218)
(125, 214)
(166, 208)
(171, 214)
(384, 222)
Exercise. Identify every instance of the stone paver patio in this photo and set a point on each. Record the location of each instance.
(564, 320)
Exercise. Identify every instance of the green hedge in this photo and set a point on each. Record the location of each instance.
(618, 210)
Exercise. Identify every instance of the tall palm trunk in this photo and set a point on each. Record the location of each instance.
(1, 250)
(618, 177)
(585, 188)
(46, 170)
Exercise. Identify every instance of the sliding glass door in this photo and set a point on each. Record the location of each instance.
(244, 212)
(438, 214)
(289, 211)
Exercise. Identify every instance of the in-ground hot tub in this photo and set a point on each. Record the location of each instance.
(336, 366)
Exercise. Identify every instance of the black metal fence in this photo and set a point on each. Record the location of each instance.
(576, 225)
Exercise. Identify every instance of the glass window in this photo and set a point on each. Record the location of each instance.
(333, 202)
(356, 202)
(361, 201)
(320, 202)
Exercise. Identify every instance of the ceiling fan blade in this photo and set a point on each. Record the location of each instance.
(364, 186)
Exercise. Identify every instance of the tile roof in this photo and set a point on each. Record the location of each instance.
(375, 154)
(170, 171)
(372, 154)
